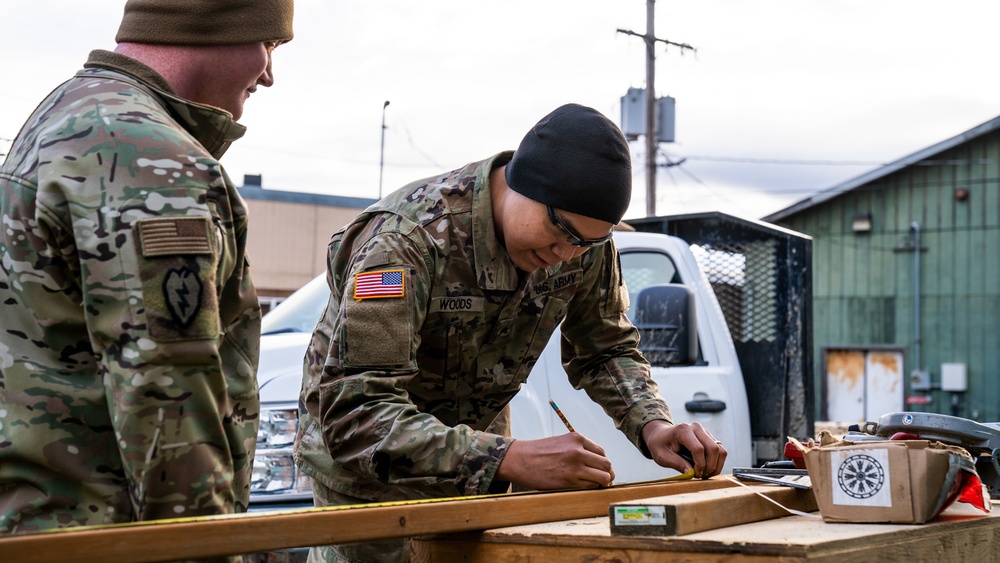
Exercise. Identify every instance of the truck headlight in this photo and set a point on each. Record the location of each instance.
(275, 475)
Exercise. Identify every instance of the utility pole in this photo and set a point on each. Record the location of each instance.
(650, 39)
(381, 155)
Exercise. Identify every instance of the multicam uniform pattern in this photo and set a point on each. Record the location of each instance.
(398, 393)
(130, 324)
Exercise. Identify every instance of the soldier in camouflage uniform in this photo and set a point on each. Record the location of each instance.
(443, 296)
(129, 339)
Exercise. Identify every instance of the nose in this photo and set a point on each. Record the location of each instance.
(266, 78)
(565, 251)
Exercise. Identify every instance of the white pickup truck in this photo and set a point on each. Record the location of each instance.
(701, 382)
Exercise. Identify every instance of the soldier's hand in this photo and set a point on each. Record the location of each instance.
(570, 461)
(667, 441)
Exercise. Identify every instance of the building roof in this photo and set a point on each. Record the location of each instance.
(252, 189)
(885, 170)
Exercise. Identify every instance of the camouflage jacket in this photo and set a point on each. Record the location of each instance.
(130, 328)
(399, 390)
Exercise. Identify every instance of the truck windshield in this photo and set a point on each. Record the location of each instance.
(301, 311)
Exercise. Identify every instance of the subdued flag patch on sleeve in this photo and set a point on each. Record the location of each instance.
(167, 236)
(383, 283)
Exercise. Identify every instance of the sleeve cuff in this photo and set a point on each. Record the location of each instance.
(638, 416)
(480, 465)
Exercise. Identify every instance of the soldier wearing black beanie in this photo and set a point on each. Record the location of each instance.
(443, 295)
(577, 160)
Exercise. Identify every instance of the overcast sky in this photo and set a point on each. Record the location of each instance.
(781, 98)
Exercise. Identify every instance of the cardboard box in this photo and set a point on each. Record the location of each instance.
(898, 481)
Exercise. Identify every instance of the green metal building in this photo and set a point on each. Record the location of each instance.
(906, 286)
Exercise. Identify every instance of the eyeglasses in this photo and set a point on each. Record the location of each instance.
(575, 239)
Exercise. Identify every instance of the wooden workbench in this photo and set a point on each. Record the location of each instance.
(960, 534)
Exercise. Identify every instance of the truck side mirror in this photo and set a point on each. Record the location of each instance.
(665, 317)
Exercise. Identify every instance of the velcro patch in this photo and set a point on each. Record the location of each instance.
(557, 282)
(182, 294)
(380, 284)
(377, 333)
(458, 304)
(171, 236)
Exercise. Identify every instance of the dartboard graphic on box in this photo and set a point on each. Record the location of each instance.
(861, 476)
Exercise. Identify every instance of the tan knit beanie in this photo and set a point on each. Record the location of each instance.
(206, 22)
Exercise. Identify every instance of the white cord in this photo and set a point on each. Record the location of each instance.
(771, 500)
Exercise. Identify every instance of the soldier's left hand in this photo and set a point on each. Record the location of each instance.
(667, 441)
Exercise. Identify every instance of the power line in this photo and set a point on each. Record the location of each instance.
(409, 139)
(803, 162)
(747, 160)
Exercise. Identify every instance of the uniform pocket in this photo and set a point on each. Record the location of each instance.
(552, 314)
(441, 355)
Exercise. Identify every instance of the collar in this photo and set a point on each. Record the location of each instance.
(494, 269)
(213, 127)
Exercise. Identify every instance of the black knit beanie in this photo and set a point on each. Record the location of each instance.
(206, 22)
(577, 160)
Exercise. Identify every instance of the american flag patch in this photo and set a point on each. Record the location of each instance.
(166, 236)
(385, 283)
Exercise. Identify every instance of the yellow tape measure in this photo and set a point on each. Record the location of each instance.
(388, 504)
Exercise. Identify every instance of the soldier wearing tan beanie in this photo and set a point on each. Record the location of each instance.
(132, 322)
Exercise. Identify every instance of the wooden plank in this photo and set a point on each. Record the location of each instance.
(212, 536)
(678, 515)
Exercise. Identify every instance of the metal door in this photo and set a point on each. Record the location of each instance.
(862, 384)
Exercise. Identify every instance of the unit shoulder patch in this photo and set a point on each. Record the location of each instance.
(182, 294)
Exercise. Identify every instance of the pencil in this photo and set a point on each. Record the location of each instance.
(561, 416)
